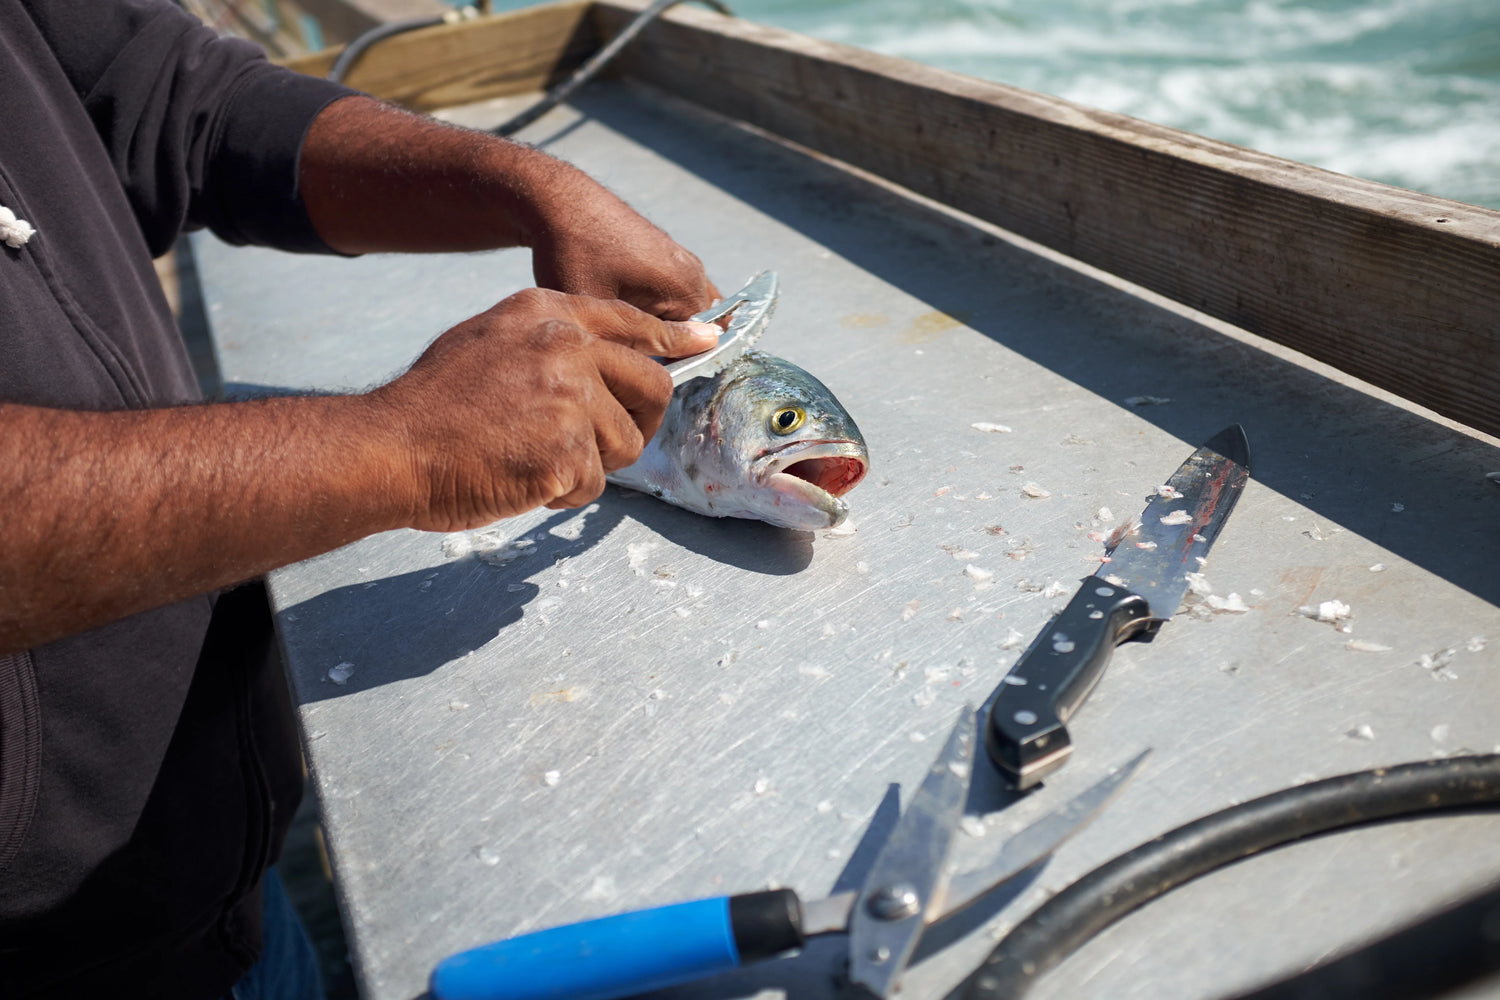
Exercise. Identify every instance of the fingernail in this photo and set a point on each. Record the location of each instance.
(705, 335)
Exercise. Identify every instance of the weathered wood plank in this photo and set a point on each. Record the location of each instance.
(474, 60)
(1394, 287)
(343, 20)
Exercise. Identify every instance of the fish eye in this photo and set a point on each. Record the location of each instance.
(787, 419)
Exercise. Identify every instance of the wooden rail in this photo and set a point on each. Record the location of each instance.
(512, 53)
(344, 20)
(1397, 288)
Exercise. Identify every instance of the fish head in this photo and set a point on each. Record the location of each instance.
(776, 444)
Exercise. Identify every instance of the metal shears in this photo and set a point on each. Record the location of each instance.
(750, 309)
(908, 889)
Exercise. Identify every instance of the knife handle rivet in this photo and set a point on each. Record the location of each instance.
(1104, 591)
(895, 902)
(1025, 717)
(880, 955)
(1096, 614)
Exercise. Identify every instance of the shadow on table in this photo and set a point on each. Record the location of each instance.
(414, 623)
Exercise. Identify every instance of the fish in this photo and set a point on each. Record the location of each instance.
(761, 439)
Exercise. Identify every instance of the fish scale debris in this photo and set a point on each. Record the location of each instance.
(1121, 532)
(1334, 612)
(1233, 604)
(1437, 661)
(1198, 584)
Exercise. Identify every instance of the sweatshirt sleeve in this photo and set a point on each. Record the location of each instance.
(201, 130)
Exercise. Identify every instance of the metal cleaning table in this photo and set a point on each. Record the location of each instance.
(572, 713)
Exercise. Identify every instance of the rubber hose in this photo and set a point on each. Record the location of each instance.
(1061, 925)
(357, 48)
(593, 65)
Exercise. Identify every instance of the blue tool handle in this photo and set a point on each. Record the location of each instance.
(627, 953)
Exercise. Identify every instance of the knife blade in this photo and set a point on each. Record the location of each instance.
(1129, 597)
(749, 310)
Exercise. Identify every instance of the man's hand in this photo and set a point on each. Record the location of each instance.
(531, 403)
(598, 245)
(375, 178)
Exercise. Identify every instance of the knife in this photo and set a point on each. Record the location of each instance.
(750, 309)
(1130, 597)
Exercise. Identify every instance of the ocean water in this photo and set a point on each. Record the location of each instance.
(1401, 91)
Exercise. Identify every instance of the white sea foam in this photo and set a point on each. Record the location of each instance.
(1401, 91)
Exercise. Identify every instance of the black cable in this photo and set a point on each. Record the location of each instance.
(593, 65)
(1061, 925)
(379, 33)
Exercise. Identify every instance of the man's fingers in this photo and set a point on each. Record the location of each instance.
(623, 324)
(688, 337)
(587, 487)
(643, 389)
(624, 425)
(677, 306)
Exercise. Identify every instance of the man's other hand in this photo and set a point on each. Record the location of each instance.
(598, 245)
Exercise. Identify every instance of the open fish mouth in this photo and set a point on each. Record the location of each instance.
(817, 472)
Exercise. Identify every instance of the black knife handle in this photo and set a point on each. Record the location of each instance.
(1026, 735)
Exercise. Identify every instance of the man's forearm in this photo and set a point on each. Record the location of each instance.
(375, 178)
(107, 514)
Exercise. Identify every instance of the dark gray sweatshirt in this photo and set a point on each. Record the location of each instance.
(148, 768)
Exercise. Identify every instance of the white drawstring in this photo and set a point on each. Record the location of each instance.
(15, 232)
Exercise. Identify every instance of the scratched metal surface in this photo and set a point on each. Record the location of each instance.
(576, 713)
